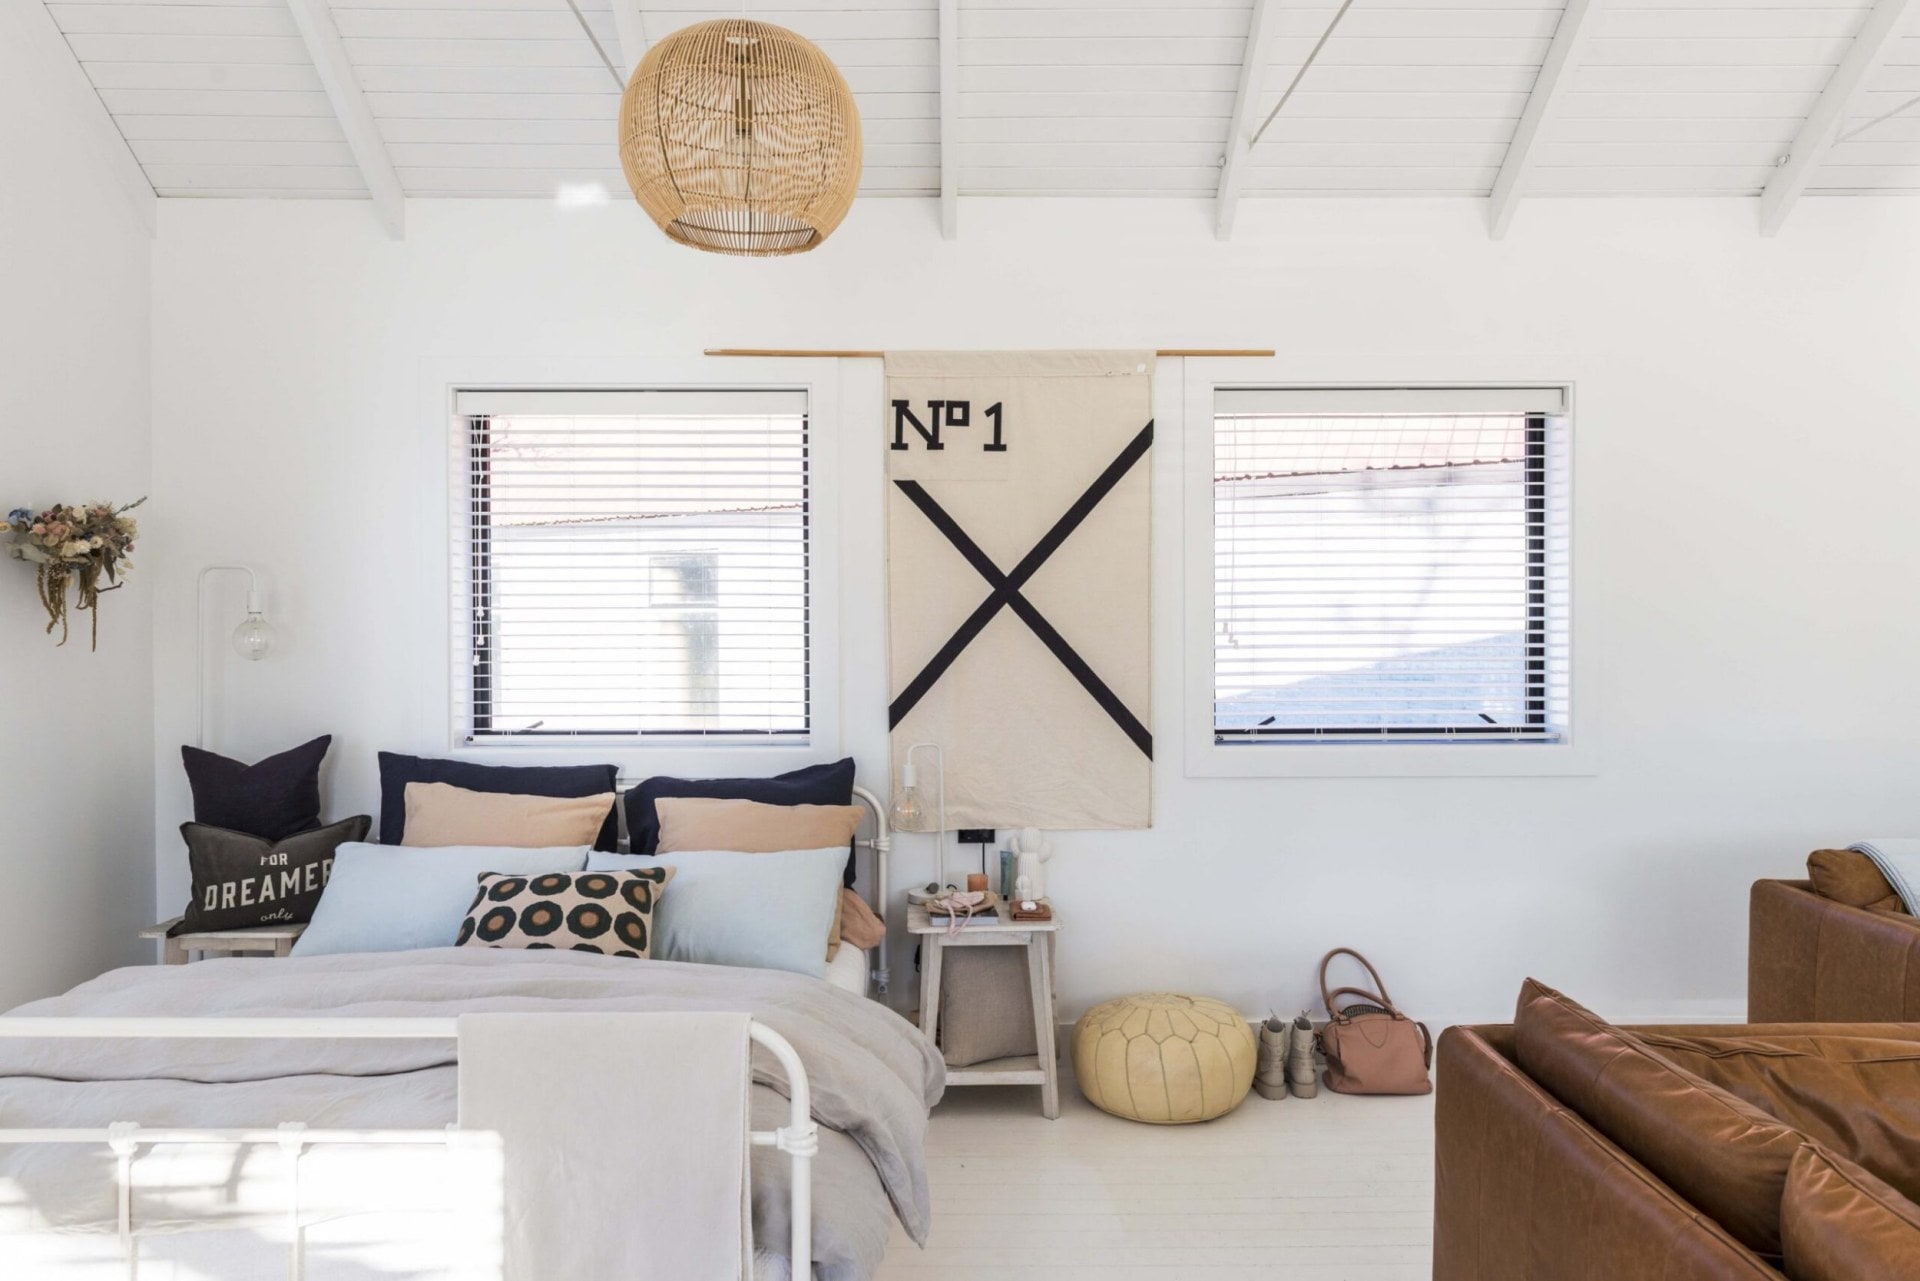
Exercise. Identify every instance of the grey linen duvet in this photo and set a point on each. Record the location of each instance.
(873, 1075)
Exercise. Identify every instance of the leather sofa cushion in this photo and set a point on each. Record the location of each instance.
(1860, 1096)
(1839, 1223)
(1721, 1153)
(1850, 877)
(1525, 1190)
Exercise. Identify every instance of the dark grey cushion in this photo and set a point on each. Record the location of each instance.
(270, 799)
(396, 771)
(240, 881)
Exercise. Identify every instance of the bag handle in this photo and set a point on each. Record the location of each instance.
(1373, 998)
(1326, 996)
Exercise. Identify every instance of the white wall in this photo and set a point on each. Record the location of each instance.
(1747, 527)
(76, 728)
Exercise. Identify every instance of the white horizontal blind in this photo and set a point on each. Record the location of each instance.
(1236, 402)
(633, 563)
(1387, 575)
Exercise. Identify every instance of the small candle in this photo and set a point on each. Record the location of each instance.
(977, 882)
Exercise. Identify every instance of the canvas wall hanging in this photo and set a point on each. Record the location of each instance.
(1018, 581)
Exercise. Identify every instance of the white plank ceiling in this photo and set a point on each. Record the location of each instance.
(482, 98)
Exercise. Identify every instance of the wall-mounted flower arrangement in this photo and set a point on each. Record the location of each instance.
(79, 547)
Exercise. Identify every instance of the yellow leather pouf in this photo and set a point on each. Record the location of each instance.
(1164, 1058)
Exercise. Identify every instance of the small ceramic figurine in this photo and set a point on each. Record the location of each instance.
(1033, 854)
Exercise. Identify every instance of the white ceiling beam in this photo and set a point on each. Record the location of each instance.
(1878, 120)
(66, 82)
(329, 55)
(1254, 61)
(631, 30)
(1864, 57)
(949, 118)
(1556, 76)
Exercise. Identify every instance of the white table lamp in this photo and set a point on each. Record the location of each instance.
(909, 806)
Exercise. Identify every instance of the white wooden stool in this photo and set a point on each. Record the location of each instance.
(1042, 1069)
(259, 940)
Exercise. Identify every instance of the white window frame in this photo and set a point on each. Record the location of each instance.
(444, 459)
(1577, 754)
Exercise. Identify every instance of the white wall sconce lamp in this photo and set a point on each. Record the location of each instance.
(251, 639)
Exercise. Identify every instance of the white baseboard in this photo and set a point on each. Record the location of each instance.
(1681, 1012)
(1674, 1012)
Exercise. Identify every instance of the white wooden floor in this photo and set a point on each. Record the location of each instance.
(1334, 1188)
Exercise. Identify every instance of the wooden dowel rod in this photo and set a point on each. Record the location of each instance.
(784, 352)
(835, 353)
(1215, 351)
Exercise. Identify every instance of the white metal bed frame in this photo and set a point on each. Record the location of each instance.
(881, 843)
(799, 1139)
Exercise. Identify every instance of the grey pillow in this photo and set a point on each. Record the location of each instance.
(242, 881)
(392, 898)
(765, 911)
(986, 1005)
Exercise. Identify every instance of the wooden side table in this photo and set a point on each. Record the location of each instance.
(260, 940)
(1042, 1069)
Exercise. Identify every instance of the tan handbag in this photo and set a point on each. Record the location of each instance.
(1371, 1047)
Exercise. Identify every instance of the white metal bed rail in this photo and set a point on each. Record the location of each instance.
(881, 843)
(799, 1138)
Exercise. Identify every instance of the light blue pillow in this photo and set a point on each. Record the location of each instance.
(768, 911)
(394, 898)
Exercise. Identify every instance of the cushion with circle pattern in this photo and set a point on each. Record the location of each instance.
(606, 912)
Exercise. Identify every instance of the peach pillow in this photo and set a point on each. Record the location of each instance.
(858, 924)
(752, 827)
(442, 814)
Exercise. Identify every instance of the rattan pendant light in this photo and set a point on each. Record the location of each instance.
(740, 137)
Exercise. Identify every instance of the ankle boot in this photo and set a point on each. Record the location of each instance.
(1271, 1078)
(1301, 1073)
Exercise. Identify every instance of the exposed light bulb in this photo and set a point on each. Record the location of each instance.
(908, 812)
(253, 638)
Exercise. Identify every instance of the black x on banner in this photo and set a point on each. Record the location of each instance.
(1007, 594)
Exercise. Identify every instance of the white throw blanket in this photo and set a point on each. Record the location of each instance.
(576, 1149)
(1898, 858)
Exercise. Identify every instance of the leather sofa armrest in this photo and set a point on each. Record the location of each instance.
(1812, 960)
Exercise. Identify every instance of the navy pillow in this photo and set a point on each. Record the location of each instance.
(271, 799)
(396, 771)
(812, 785)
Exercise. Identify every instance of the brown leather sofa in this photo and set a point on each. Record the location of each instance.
(1813, 960)
(1527, 1190)
(1524, 1190)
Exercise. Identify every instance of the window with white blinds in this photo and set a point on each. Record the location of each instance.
(633, 563)
(1390, 566)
